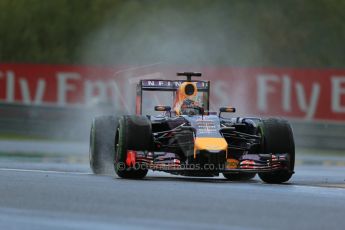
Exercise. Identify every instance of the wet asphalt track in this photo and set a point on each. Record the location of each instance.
(57, 191)
(50, 195)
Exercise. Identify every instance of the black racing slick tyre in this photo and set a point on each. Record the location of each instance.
(239, 176)
(133, 133)
(102, 136)
(277, 137)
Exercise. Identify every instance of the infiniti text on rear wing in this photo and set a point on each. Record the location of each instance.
(171, 85)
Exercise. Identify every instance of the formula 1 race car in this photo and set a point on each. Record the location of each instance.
(185, 138)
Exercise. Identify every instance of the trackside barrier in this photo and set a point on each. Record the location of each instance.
(73, 124)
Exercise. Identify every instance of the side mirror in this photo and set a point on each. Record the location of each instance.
(162, 108)
(226, 110)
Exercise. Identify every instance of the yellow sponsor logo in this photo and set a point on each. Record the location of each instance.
(210, 144)
(232, 163)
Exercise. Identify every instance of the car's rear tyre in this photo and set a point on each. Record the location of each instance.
(277, 138)
(133, 133)
(101, 153)
(239, 176)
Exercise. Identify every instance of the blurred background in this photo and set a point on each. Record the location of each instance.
(63, 62)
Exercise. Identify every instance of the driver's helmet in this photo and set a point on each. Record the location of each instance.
(186, 99)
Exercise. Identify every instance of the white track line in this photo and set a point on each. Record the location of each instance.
(43, 171)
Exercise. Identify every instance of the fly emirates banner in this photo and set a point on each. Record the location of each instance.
(305, 94)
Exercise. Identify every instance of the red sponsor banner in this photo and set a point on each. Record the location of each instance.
(48, 84)
(308, 94)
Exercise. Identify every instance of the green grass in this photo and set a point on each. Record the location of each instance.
(19, 137)
(42, 158)
(28, 154)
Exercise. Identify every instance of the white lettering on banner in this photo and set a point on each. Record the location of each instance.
(90, 87)
(26, 92)
(337, 91)
(286, 99)
(310, 108)
(10, 86)
(63, 86)
(151, 83)
(264, 89)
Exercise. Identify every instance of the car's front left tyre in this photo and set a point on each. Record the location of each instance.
(101, 152)
(277, 137)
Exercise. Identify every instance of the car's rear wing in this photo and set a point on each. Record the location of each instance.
(166, 85)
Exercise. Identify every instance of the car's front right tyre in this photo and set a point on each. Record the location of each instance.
(134, 133)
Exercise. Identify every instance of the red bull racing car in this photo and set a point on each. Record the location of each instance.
(185, 138)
